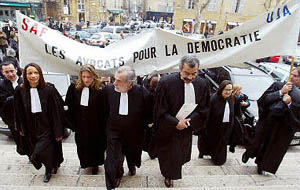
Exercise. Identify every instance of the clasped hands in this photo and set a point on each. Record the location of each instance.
(183, 124)
(284, 91)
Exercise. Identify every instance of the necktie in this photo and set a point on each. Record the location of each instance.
(84, 101)
(35, 101)
(123, 109)
(189, 94)
(226, 113)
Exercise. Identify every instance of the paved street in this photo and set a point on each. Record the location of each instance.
(16, 173)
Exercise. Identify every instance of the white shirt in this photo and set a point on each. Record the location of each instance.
(35, 101)
(123, 107)
(15, 83)
(85, 94)
(189, 93)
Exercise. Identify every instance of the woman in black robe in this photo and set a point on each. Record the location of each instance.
(85, 111)
(240, 102)
(38, 107)
(214, 139)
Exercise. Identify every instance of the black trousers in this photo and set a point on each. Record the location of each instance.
(115, 155)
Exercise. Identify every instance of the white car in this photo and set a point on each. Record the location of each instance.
(280, 72)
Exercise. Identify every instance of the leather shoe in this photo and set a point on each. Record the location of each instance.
(54, 171)
(132, 171)
(245, 158)
(117, 182)
(95, 170)
(168, 182)
(47, 177)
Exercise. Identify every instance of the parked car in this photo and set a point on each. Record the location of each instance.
(61, 82)
(288, 59)
(280, 72)
(254, 81)
(83, 35)
(99, 39)
(274, 59)
(115, 30)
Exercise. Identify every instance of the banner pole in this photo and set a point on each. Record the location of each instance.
(291, 68)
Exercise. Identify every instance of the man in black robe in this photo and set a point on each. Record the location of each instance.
(128, 110)
(174, 135)
(7, 93)
(278, 121)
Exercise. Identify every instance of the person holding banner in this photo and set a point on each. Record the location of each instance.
(279, 117)
(38, 118)
(182, 92)
(85, 110)
(214, 139)
(127, 110)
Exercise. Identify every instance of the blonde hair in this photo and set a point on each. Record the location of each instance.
(235, 88)
(96, 84)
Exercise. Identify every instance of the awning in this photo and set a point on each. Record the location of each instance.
(115, 11)
(14, 4)
(232, 23)
(36, 5)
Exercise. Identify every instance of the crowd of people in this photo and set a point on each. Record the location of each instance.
(120, 119)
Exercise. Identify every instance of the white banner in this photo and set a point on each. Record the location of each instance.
(269, 34)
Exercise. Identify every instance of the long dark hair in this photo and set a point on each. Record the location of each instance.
(42, 83)
(223, 84)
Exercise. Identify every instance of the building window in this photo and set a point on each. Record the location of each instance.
(66, 7)
(81, 5)
(212, 5)
(237, 6)
(189, 4)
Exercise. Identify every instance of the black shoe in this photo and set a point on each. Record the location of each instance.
(54, 171)
(245, 158)
(232, 149)
(95, 170)
(47, 177)
(168, 182)
(132, 171)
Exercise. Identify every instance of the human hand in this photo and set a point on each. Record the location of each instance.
(286, 88)
(286, 99)
(21, 133)
(244, 103)
(182, 124)
(58, 139)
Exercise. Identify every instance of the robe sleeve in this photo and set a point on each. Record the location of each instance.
(70, 102)
(19, 111)
(200, 116)
(55, 112)
(148, 106)
(6, 103)
(163, 121)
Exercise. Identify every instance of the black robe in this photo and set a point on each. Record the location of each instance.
(214, 140)
(239, 134)
(41, 128)
(7, 113)
(125, 133)
(87, 122)
(174, 146)
(274, 130)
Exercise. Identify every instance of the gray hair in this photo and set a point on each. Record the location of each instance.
(190, 60)
(130, 73)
